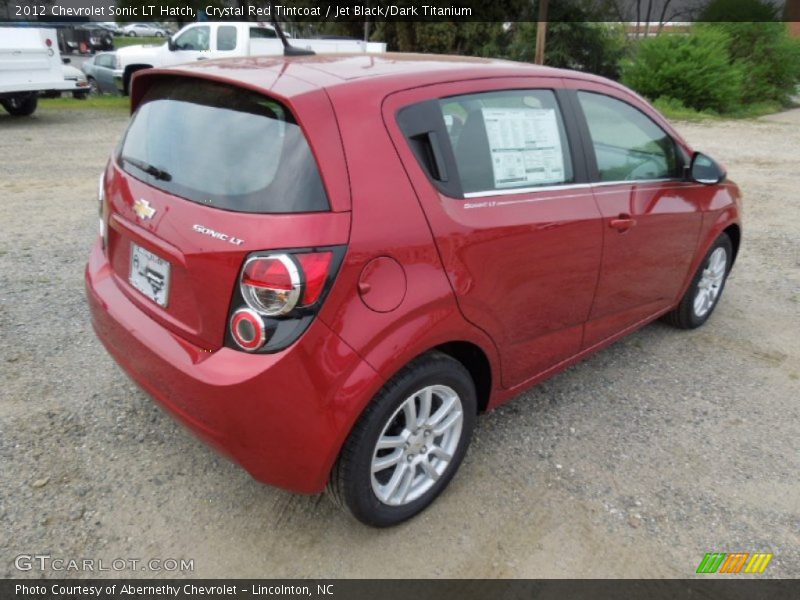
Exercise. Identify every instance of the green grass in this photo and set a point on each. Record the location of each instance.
(676, 111)
(103, 102)
(120, 41)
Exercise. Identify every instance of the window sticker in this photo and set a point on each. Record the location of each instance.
(525, 146)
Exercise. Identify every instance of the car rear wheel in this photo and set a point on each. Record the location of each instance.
(94, 89)
(408, 444)
(21, 106)
(706, 288)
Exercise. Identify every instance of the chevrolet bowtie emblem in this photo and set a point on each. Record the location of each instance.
(143, 209)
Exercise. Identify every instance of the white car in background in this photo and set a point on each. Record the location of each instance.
(144, 30)
(82, 87)
(224, 39)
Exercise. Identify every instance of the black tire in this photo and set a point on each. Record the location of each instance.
(21, 106)
(350, 485)
(684, 316)
(131, 34)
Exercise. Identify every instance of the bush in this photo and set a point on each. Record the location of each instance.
(768, 56)
(695, 69)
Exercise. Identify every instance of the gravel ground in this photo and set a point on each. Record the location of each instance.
(633, 463)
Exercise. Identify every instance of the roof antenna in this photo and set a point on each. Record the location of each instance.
(288, 49)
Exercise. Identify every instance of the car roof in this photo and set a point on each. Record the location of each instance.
(384, 73)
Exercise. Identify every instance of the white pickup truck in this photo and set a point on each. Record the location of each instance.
(30, 64)
(205, 40)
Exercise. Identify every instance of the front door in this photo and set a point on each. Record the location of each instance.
(652, 216)
(494, 165)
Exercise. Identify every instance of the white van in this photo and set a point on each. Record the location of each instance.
(30, 63)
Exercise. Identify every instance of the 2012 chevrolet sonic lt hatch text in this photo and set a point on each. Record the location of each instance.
(328, 266)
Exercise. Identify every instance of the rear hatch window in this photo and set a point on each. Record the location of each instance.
(222, 146)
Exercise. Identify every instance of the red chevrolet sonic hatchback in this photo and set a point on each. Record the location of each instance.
(326, 267)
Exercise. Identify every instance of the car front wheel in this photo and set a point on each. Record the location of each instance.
(408, 444)
(706, 288)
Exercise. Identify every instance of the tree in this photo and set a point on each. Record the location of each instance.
(577, 38)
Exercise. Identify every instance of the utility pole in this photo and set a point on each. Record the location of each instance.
(541, 33)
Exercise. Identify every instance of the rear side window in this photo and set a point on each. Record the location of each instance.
(628, 145)
(506, 140)
(262, 33)
(222, 146)
(226, 38)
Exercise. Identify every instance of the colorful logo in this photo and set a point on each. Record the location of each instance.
(737, 562)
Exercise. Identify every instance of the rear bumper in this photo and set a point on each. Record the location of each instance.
(63, 85)
(282, 416)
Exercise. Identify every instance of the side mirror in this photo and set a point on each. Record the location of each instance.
(171, 45)
(704, 169)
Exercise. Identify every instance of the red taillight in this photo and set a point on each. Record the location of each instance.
(49, 42)
(102, 212)
(279, 293)
(271, 285)
(275, 284)
(270, 272)
(316, 267)
(247, 329)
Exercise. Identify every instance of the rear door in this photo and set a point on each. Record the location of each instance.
(206, 174)
(652, 215)
(497, 166)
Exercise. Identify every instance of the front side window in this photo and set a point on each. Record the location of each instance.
(195, 38)
(507, 140)
(222, 146)
(226, 38)
(628, 145)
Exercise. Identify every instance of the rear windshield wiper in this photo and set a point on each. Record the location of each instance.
(147, 168)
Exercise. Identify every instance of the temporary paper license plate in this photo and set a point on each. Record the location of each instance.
(150, 274)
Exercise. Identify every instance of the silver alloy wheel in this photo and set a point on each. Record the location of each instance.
(710, 283)
(416, 445)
